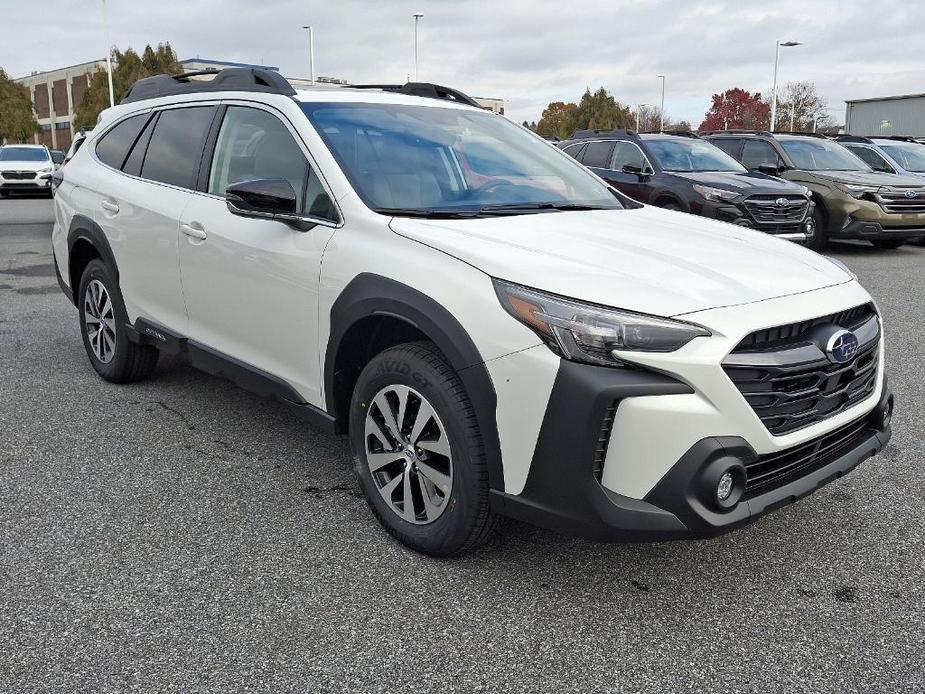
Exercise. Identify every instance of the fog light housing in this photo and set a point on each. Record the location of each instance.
(724, 488)
(742, 222)
(883, 413)
(722, 483)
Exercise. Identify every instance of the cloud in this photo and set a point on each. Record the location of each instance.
(528, 52)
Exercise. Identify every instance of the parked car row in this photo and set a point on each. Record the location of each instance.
(26, 168)
(804, 187)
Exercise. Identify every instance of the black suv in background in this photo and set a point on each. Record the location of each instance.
(680, 171)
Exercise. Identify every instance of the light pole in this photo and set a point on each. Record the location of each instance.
(417, 16)
(311, 53)
(112, 100)
(661, 115)
(785, 44)
(638, 109)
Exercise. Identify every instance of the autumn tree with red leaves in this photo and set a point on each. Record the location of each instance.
(737, 109)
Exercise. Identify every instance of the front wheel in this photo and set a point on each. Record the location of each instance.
(820, 238)
(887, 244)
(418, 453)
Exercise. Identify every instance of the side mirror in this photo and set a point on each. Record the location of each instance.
(771, 169)
(637, 170)
(266, 198)
(884, 169)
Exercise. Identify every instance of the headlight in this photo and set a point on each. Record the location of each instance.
(855, 191)
(836, 261)
(587, 333)
(805, 191)
(715, 194)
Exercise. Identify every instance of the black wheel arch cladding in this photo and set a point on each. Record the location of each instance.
(368, 295)
(84, 229)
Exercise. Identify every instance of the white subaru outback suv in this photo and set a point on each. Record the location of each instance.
(498, 332)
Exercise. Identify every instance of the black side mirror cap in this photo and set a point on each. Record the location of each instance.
(771, 169)
(266, 198)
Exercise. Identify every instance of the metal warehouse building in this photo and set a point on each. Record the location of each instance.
(889, 115)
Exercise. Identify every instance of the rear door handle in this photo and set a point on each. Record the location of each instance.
(109, 206)
(194, 231)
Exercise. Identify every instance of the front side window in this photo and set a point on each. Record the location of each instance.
(757, 153)
(816, 154)
(871, 158)
(628, 154)
(175, 148)
(427, 160)
(910, 156)
(691, 155)
(113, 147)
(10, 153)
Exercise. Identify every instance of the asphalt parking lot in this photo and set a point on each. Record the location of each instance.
(183, 535)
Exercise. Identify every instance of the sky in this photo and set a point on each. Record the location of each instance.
(528, 52)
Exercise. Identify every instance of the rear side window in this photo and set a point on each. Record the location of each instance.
(598, 154)
(175, 148)
(575, 150)
(113, 147)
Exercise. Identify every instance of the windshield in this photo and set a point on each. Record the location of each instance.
(821, 155)
(909, 156)
(431, 161)
(23, 154)
(692, 155)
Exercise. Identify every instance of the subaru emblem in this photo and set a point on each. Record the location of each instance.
(781, 202)
(911, 193)
(842, 346)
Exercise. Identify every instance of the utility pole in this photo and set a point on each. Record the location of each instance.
(661, 119)
(112, 99)
(778, 44)
(417, 16)
(311, 53)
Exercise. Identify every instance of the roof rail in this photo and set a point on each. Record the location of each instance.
(425, 89)
(899, 138)
(676, 133)
(854, 138)
(237, 79)
(801, 134)
(621, 132)
(735, 131)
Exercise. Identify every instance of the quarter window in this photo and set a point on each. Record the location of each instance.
(113, 147)
(175, 149)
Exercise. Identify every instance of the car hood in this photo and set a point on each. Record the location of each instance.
(744, 183)
(647, 260)
(13, 165)
(869, 178)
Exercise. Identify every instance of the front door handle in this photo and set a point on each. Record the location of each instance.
(109, 206)
(194, 231)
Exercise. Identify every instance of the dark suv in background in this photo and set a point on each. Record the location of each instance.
(852, 200)
(680, 171)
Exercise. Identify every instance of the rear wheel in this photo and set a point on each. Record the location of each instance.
(887, 244)
(103, 322)
(418, 453)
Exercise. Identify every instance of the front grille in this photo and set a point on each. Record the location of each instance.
(788, 380)
(600, 451)
(896, 202)
(773, 470)
(19, 175)
(792, 333)
(765, 209)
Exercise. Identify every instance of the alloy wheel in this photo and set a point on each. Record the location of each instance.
(100, 321)
(408, 454)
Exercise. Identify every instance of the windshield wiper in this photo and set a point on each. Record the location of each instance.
(528, 207)
(426, 213)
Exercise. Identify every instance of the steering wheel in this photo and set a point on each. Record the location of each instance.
(489, 187)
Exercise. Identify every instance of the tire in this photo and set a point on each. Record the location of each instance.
(670, 205)
(113, 355)
(887, 244)
(820, 238)
(440, 521)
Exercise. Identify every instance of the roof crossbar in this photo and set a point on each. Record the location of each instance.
(425, 89)
(228, 80)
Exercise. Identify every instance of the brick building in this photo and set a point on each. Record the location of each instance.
(55, 96)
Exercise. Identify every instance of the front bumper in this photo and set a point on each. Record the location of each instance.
(563, 491)
(40, 184)
(800, 231)
(865, 230)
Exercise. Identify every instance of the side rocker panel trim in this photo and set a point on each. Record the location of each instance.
(368, 295)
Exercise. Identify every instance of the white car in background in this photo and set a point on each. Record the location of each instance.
(25, 169)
